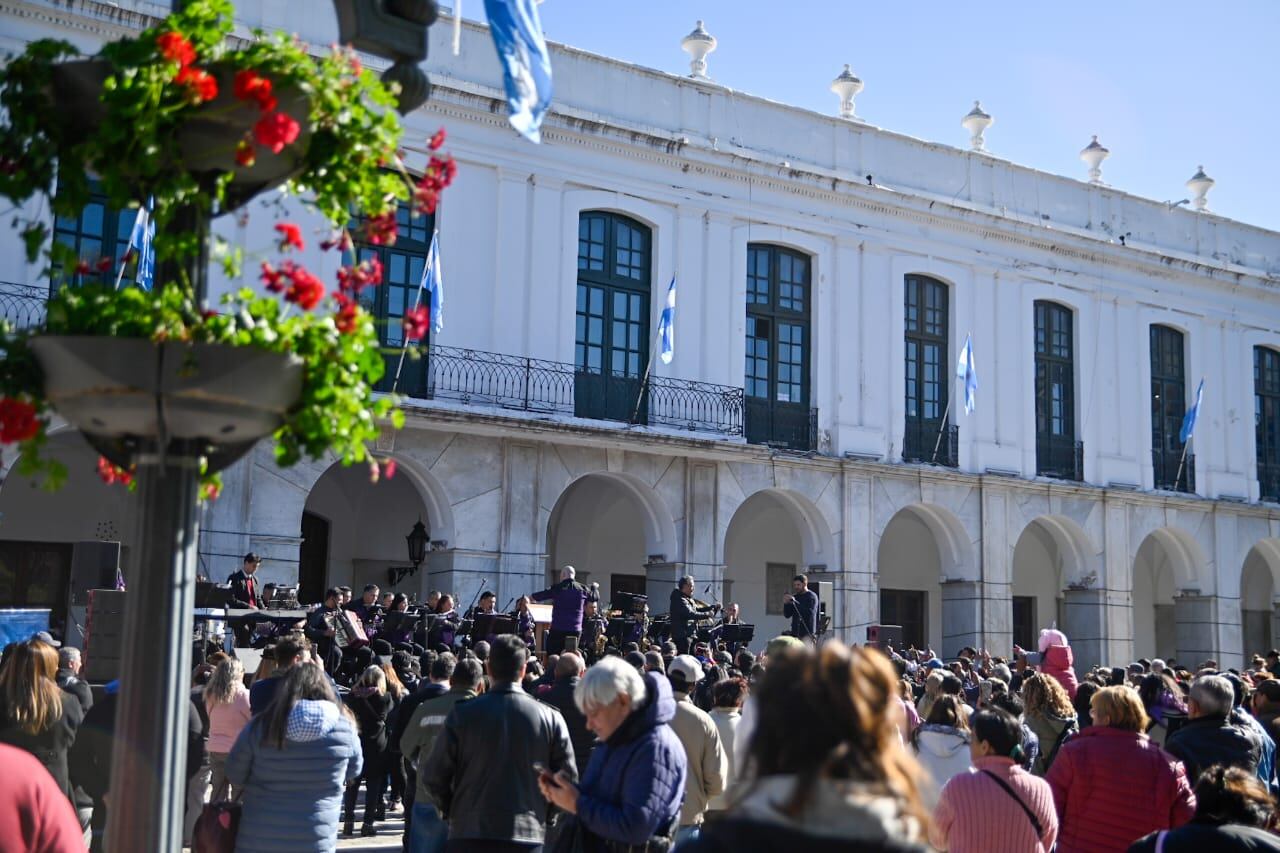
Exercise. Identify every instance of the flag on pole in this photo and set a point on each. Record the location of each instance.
(966, 370)
(140, 241)
(526, 65)
(1189, 422)
(433, 284)
(667, 325)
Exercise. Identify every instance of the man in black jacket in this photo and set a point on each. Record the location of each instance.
(569, 670)
(245, 595)
(801, 606)
(1208, 737)
(685, 613)
(481, 771)
(435, 683)
(68, 677)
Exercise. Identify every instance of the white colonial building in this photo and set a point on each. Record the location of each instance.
(828, 274)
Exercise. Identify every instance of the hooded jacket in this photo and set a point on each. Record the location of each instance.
(1052, 732)
(1205, 741)
(943, 750)
(293, 794)
(1059, 662)
(838, 817)
(635, 779)
(1111, 787)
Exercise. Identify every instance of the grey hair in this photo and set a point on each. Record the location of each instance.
(1157, 665)
(606, 681)
(568, 573)
(68, 655)
(687, 579)
(1213, 694)
(1002, 672)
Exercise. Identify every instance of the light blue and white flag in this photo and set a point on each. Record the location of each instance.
(966, 370)
(526, 65)
(433, 284)
(144, 230)
(667, 325)
(1189, 422)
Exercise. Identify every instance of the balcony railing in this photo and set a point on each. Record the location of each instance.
(922, 443)
(23, 305)
(479, 378)
(792, 426)
(1269, 482)
(1062, 460)
(1166, 464)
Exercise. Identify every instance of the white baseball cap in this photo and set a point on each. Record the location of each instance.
(687, 667)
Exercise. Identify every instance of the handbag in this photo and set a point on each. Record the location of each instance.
(217, 827)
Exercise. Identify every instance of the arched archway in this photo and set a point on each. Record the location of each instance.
(773, 535)
(1051, 552)
(1166, 561)
(354, 530)
(1258, 589)
(922, 546)
(609, 527)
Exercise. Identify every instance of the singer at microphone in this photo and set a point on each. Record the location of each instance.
(568, 598)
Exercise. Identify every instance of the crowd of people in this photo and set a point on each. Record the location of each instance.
(707, 749)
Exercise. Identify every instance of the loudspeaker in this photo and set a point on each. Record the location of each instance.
(885, 636)
(826, 593)
(93, 566)
(104, 635)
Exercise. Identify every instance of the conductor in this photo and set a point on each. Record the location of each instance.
(567, 601)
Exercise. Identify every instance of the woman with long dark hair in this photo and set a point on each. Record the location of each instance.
(941, 742)
(829, 769)
(1164, 703)
(293, 760)
(35, 714)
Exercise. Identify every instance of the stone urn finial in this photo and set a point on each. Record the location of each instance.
(977, 122)
(1200, 184)
(846, 87)
(1093, 154)
(698, 44)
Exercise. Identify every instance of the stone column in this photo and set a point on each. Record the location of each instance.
(1084, 623)
(861, 594)
(961, 616)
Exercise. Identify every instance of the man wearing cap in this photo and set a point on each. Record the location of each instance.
(708, 764)
(245, 596)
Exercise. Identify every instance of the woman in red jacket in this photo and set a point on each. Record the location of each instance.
(1111, 784)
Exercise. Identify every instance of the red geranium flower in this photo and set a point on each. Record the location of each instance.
(416, 323)
(348, 317)
(104, 263)
(389, 468)
(251, 86)
(274, 278)
(437, 140)
(82, 267)
(381, 230)
(201, 86)
(211, 491)
(18, 421)
(245, 155)
(305, 290)
(275, 131)
(175, 48)
(290, 235)
(112, 473)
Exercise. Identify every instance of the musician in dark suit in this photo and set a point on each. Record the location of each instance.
(684, 613)
(445, 627)
(801, 606)
(321, 633)
(245, 596)
(367, 607)
(593, 628)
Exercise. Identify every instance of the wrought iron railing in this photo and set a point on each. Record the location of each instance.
(929, 441)
(23, 305)
(1172, 473)
(1062, 460)
(792, 426)
(479, 378)
(1269, 482)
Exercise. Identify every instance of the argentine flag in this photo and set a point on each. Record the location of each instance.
(667, 325)
(140, 241)
(1189, 422)
(433, 284)
(966, 370)
(526, 65)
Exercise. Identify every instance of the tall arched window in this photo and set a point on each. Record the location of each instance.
(776, 379)
(1168, 407)
(611, 348)
(1056, 447)
(1266, 420)
(928, 346)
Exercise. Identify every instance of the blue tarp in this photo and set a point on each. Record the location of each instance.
(20, 623)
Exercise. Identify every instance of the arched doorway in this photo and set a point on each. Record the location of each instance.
(1257, 597)
(610, 527)
(1156, 572)
(362, 526)
(773, 536)
(1037, 584)
(922, 545)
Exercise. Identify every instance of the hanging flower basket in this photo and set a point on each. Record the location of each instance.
(191, 125)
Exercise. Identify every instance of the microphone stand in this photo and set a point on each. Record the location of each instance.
(471, 609)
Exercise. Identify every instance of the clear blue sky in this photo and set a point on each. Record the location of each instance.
(1165, 85)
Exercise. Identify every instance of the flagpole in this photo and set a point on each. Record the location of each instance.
(120, 275)
(417, 300)
(1182, 461)
(941, 427)
(643, 382)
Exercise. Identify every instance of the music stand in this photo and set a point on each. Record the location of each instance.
(214, 595)
(397, 621)
(740, 633)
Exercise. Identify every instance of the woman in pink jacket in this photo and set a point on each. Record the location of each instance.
(1111, 784)
(227, 701)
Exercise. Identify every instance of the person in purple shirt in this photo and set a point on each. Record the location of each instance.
(567, 600)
